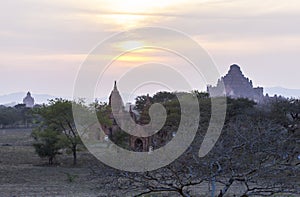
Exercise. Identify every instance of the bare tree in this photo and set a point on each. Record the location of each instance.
(254, 150)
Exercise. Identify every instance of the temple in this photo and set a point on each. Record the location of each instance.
(28, 101)
(236, 85)
(138, 144)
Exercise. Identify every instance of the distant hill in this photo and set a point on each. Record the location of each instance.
(295, 93)
(15, 98)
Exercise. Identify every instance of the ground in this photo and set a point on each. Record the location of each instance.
(23, 173)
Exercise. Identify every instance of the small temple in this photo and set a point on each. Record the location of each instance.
(120, 115)
(236, 85)
(138, 144)
(28, 101)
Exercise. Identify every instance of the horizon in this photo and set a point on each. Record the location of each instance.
(43, 98)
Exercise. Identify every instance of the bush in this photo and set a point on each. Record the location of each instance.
(47, 144)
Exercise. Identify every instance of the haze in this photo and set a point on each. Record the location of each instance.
(43, 43)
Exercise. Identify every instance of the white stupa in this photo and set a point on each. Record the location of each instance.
(28, 100)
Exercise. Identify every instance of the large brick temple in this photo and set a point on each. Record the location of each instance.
(236, 85)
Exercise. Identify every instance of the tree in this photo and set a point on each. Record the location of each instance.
(294, 114)
(47, 143)
(200, 94)
(141, 101)
(103, 114)
(25, 114)
(58, 117)
(16, 116)
(162, 97)
(294, 106)
(286, 112)
(253, 150)
(9, 116)
(279, 111)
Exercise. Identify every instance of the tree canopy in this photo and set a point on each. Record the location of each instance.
(57, 118)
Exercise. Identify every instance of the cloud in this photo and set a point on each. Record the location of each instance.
(57, 35)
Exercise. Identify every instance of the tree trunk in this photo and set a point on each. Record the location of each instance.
(50, 160)
(74, 155)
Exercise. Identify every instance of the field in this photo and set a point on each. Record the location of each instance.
(23, 173)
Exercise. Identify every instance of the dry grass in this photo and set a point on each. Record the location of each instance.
(23, 173)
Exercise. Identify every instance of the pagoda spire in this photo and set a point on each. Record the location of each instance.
(115, 86)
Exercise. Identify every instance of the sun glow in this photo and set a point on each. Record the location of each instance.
(129, 14)
(122, 20)
(130, 45)
(133, 59)
(140, 6)
(139, 56)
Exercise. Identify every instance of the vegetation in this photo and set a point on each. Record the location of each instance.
(17, 116)
(71, 178)
(47, 144)
(58, 127)
(258, 149)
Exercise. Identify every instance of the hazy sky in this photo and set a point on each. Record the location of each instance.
(43, 43)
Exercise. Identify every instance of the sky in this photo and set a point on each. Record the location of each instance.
(44, 43)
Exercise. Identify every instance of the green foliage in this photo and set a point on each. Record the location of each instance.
(71, 177)
(279, 110)
(8, 115)
(47, 143)
(103, 113)
(15, 116)
(140, 102)
(121, 138)
(162, 97)
(239, 106)
(286, 112)
(173, 113)
(58, 117)
(200, 95)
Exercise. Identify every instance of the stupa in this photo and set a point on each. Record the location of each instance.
(28, 100)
